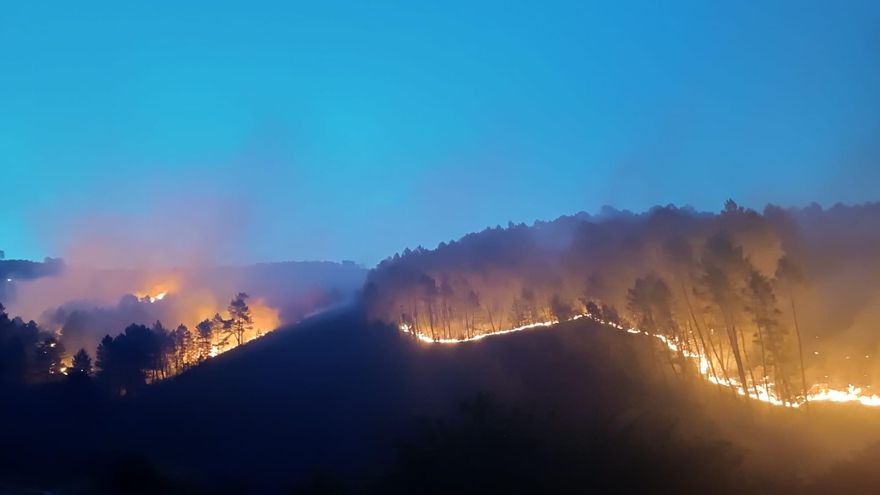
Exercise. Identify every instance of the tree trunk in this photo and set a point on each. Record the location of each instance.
(748, 363)
(797, 332)
(709, 357)
(764, 371)
(734, 348)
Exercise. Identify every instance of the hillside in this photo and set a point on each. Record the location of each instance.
(336, 403)
(336, 397)
(331, 393)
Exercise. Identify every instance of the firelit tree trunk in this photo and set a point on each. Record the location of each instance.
(734, 347)
(764, 371)
(797, 332)
(714, 353)
(746, 361)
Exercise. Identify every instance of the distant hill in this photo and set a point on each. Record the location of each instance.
(29, 270)
(12, 270)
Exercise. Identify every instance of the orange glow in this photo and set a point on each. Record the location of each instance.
(158, 287)
(265, 317)
(817, 393)
(190, 307)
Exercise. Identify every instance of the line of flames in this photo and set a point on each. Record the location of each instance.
(818, 392)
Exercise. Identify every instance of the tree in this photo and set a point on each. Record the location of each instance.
(429, 293)
(13, 345)
(609, 314)
(205, 330)
(770, 334)
(788, 274)
(183, 348)
(222, 328)
(241, 320)
(723, 265)
(165, 342)
(650, 300)
(82, 364)
(128, 360)
(561, 310)
(593, 309)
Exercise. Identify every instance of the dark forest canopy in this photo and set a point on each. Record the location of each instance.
(125, 362)
(778, 298)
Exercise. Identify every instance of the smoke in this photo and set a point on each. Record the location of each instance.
(501, 277)
(186, 238)
(84, 304)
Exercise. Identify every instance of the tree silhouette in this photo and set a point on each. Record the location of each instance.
(241, 320)
(127, 361)
(205, 330)
(183, 350)
(82, 364)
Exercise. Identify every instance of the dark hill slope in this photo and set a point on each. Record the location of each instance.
(336, 399)
(336, 392)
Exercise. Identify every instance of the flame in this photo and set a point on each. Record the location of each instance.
(157, 289)
(191, 306)
(817, 393)
(265, 319)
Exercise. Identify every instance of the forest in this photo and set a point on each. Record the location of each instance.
(741, 289)
(124, 363)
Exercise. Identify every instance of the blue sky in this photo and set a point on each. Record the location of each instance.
(334, 130)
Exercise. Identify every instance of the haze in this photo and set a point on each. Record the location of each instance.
(350, 130)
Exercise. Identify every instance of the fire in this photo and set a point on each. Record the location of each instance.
(190, 306)
(424, 338)
(265, 317)
(817, 393)
(157, 290)
(153, 299)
